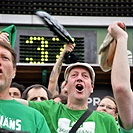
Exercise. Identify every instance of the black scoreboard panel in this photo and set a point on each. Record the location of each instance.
(39, 46)
(41, 49)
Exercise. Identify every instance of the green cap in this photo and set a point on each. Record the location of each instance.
(11, 30)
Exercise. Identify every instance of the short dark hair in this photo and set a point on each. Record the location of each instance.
(36, 86)
(19, 86)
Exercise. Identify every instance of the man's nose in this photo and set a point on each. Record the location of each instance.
(104, 108)
(38, 99)
(12, 95)
(79, 78)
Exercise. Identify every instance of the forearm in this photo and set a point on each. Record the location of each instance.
(120, 77)
(53, 80)
(121, 72)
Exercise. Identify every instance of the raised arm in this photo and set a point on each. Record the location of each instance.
(120, 76)
(53, 80)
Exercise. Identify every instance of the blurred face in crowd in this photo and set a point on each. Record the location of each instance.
(14, 92)
(108, 106)
(37, 94)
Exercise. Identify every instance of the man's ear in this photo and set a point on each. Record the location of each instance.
(92, 88)
(14, 72)
(65, 90)
(65, 82)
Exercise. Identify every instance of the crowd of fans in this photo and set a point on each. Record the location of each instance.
(57, 108)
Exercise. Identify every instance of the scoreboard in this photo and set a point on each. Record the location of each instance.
(41, 49)
(39, 46)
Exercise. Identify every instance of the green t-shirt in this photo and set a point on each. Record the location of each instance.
(16, 116)
(61, 119)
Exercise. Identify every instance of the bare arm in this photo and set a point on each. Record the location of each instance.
(120, 76)
(25, 102)
(53, 80)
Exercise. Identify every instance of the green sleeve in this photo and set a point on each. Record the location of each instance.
(43, 105)
(125, 131)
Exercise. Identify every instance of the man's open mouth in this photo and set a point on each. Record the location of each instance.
(79, 87)
(0, 70)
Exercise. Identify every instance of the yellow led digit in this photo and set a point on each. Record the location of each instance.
(42, 48)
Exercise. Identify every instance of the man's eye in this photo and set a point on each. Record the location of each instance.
(86, 76)
(110, 108)
(16, 94)
(5, 58)
(101, 105)
(42, 98)
(34, 99)
(73, 75)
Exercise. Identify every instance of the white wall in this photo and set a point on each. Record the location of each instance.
(65, 20)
